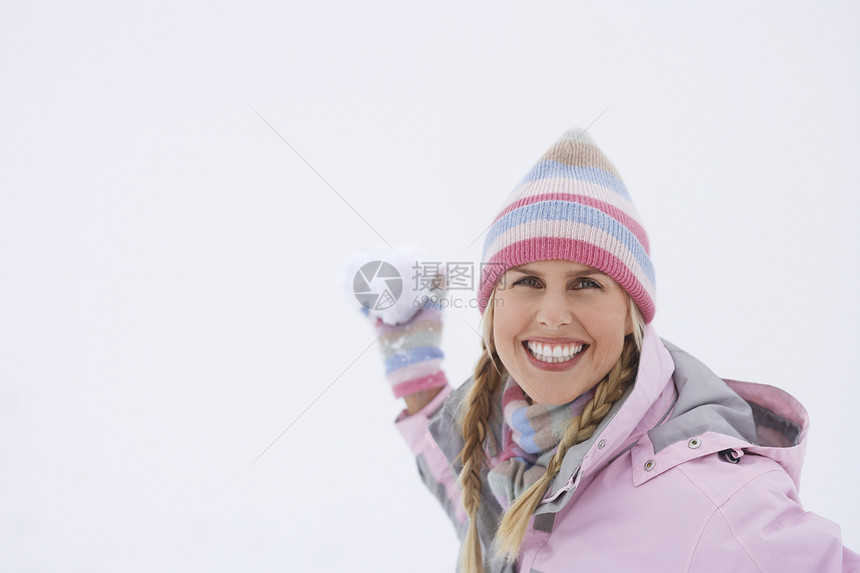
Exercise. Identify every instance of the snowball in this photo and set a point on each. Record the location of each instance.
(392, 286)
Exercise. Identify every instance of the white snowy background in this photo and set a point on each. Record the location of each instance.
(168, 302)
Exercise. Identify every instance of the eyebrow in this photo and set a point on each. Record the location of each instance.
(525, 270)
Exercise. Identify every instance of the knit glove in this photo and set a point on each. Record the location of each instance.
(412, 353)
(404, 309)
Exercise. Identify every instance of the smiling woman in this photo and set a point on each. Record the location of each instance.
(560, 326)
(584, 438)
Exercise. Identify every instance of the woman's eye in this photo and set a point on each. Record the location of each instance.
(528, 281)
(586, 283)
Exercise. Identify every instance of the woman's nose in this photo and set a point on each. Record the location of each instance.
(555, 311)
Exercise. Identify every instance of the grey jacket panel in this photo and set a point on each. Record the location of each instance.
(440, 492)
(704, 404)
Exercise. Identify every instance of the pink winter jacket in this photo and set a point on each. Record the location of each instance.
(687, 473)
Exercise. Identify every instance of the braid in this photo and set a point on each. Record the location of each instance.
(475, 428)
(514, 523)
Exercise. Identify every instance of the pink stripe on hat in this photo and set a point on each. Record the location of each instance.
(547, 249)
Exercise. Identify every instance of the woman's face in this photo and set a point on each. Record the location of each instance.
(559, 327)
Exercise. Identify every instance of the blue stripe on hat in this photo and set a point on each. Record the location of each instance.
(419, 354)
(572, 213)
(549, 169)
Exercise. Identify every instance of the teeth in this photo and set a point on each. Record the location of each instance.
(554, 354)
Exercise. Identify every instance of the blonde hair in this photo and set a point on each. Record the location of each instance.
(475, 428)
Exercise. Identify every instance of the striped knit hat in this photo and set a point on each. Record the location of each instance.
(572, 206)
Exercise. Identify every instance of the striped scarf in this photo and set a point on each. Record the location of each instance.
(530, 435)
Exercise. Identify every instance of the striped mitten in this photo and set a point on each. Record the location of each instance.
(413, 357)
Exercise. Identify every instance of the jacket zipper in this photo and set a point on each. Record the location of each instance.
(565, 488)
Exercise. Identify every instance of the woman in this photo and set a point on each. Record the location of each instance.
(584, 441)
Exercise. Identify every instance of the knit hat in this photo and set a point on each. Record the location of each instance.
(572, 206)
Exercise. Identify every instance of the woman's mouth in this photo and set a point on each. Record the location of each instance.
(553, 353)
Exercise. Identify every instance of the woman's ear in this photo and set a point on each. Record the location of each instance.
(630, 324)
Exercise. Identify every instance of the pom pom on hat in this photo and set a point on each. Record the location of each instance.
(572, 206)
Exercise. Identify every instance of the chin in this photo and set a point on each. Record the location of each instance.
(550, 392)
